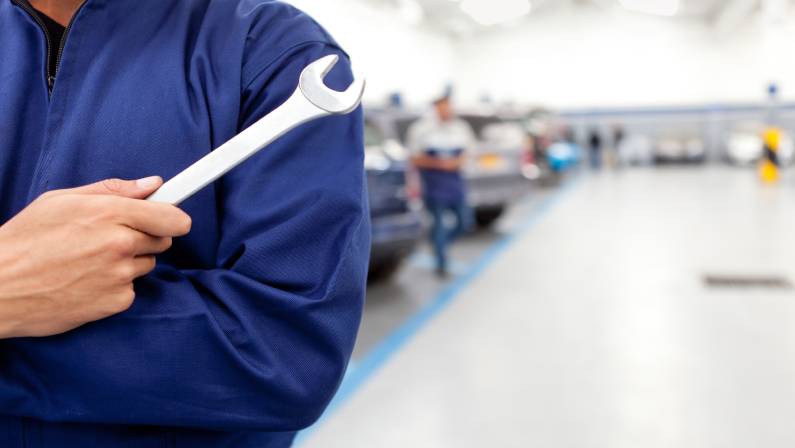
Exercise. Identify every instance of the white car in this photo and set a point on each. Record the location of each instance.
(746, 147)
(636, 149)
(680, 150)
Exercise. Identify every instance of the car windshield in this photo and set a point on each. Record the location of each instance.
(504, 135)
(402, 126)
(479, 123)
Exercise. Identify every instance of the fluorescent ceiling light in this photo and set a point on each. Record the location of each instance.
(493, 12)
(411, 11)
(655, 7)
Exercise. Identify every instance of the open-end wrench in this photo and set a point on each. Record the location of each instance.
(312, 99)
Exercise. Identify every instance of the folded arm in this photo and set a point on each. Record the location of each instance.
(260, 342)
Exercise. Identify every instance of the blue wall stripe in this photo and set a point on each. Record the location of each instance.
(358, 374)
(673, 110)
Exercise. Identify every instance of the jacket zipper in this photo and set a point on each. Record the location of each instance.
(63, 41)
(35, 16)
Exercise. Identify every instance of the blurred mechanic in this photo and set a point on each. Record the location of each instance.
(439, 144)
(595, 147)
(240, 334)
(619, 136)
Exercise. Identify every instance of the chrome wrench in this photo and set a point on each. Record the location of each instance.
(311, 100)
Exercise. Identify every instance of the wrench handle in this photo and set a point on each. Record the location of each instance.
(293, 113)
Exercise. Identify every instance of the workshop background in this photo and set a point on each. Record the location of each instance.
(628, 281)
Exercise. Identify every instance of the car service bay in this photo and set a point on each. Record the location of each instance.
(594, 325)
(397, 224)
(628, 278)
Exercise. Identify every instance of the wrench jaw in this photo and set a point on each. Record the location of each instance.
(313, 87)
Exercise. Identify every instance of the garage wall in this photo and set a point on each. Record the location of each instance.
(393, 54)
(590, 57)
(565, 57)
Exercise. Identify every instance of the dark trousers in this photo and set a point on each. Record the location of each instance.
(442, 234)
(596, 158)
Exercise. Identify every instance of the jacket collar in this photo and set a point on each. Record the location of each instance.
(85, 2)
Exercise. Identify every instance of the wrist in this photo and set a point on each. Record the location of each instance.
(10, 319)
(8, 263)
(12, 308)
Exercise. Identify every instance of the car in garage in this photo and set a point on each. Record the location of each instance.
(395, 204)
(679, 150)
(553, 150)
(494, 174)
(563, 155)
(636, 150)
(745, 146)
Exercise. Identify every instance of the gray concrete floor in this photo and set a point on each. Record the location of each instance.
(595, 329)
(390, 303)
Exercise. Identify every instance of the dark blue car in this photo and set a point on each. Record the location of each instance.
(395, 205)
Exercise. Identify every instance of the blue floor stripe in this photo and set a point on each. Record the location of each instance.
(427, 261)
(358, 374)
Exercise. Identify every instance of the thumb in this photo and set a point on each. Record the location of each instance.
(134, 189)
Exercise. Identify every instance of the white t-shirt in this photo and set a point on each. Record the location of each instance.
(443, 139)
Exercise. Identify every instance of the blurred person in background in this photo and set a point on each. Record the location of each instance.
(595, 148)
(439, 144)
(618, 140)
(241, 332)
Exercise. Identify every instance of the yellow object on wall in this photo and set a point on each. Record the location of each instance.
(772, 138)
(768, 169)
(768, 172)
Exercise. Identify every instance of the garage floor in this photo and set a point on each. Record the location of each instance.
(589, 324)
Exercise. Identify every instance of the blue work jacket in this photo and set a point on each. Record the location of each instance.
(242, 334)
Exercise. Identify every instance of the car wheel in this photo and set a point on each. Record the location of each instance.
(385, 269)
(486, 217)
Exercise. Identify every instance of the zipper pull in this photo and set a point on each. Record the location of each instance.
(50, 82)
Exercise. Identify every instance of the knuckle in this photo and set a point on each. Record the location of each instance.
(124, 300)
(123, 243)
(150, 265)
(107, 206)
(125, 272)
(113, 185)
(100, 208)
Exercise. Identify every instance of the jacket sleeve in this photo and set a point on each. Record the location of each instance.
(260, 342)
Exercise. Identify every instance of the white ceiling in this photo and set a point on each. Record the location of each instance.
(446, 15)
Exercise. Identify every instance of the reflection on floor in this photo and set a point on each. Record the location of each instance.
(595, 329)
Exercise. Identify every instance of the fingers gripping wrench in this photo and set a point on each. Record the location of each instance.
(311, 100)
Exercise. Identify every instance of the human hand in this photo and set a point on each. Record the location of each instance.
(71, 256)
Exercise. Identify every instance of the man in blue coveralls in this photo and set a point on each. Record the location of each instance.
(241, 332)
(440, 143)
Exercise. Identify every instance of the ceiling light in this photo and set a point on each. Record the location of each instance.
(654, 7)
(411, 11)
(493, 12)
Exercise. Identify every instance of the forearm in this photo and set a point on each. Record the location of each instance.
(208, 349)
(9, 308)
(423, 162)
(456, 164)
(244, 346)
(21, 307)
(9, 319)
(432, 163)
(258, 335)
